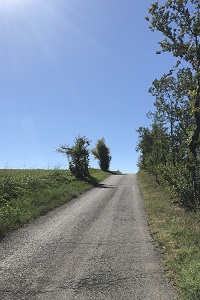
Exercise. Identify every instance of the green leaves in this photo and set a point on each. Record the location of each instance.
(178, 21)
(102, 153)
(78, 156)
(170, 149)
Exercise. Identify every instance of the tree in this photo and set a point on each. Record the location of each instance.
(154, 148)
(179, 23)
(145, 147)
(173, 110)
(102, 153)
(78, 156)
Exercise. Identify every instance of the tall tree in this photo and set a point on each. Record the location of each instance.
(179, 22)
(173, 109)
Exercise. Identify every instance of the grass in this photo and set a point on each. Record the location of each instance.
(177, 233)
(27, 194)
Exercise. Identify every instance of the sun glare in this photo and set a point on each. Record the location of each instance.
(13, 6)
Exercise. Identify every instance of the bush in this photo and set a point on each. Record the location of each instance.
(102, 153)
(78, 156)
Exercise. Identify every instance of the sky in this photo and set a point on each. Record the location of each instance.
(75, 67)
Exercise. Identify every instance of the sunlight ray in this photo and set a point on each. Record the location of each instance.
(35, 29)
(13, 6)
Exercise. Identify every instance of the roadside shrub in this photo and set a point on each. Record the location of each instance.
(78, 156)
(102, 153)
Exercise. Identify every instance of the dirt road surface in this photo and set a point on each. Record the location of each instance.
(96, 246)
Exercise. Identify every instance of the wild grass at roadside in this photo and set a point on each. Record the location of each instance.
(177, 233)
(27, 194)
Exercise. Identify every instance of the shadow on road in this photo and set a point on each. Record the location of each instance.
(96, 184)
(105, 186)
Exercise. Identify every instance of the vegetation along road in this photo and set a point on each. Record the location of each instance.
(96, 246)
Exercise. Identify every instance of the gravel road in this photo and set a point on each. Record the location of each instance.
(96, 246)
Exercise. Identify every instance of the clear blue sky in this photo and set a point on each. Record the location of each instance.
(70, 67)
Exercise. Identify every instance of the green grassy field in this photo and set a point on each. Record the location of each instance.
(27, 194)
(177, 233)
